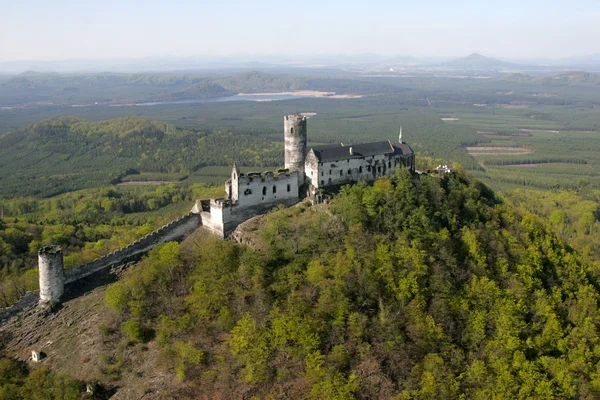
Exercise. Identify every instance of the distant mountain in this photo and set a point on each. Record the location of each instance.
(477, 62)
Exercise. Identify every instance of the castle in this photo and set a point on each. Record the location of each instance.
(307, 172)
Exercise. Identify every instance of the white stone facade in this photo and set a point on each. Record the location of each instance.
(351, 170)
(323, 167)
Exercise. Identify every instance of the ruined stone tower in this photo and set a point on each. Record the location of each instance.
(295, 144)
(51, 273)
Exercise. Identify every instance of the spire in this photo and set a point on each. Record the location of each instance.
(236, 170)
(400, 136)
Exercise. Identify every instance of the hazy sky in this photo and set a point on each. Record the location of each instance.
(69, 29)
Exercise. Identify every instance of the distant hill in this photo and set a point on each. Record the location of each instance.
(477, 62)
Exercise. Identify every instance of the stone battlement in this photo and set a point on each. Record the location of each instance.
(266, 176)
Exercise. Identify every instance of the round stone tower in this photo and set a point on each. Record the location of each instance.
(51, 273)
(295, 144)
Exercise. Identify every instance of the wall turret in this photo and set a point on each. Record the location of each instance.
(51, 273)
(295, 144)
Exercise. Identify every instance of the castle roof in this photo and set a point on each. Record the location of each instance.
(335, 152)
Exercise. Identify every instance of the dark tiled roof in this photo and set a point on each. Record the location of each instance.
(334, 152)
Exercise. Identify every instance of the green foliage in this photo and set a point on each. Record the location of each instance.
(187, 355)
(17, 382)
(133, 331)
(428, 287)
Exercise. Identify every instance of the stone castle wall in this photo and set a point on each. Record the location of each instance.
(348, 171)
(174, 230)
(258, 189)
(222, 217)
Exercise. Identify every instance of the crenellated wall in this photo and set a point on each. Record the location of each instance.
(174, 230)
(222, 216)
(257, 189)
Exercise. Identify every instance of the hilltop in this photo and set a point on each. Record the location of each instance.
(429, 287)
(477, 62)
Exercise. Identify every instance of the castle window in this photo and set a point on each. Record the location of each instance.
(379, 170)
(291, 130)
(360, 170)
(389, 164)
(274, 189)
(247, 192)
(329, 172)
(369, 168)
(264, 190)
(289, 188)
(322, 183)
(234, 176)
(321, 173)
(329, 181)
(349, 171)
(341, 172)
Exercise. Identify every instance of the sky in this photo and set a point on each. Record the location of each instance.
(108, 29)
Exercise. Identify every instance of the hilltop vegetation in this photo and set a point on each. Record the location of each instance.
(408, 289)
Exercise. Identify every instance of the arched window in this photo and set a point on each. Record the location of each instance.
(274, 189)
(291, 130)
(264, 190)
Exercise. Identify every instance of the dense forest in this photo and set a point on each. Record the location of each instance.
(426, 288)
(65, 154)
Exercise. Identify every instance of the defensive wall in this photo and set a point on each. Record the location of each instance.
(53, 276)
(251, 194)
(256, 189)
(173, 230)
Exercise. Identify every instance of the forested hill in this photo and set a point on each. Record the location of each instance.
(429, 288)
(65, 154)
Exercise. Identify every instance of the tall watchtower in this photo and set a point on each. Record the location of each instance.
(295, 144)
(51, 273)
